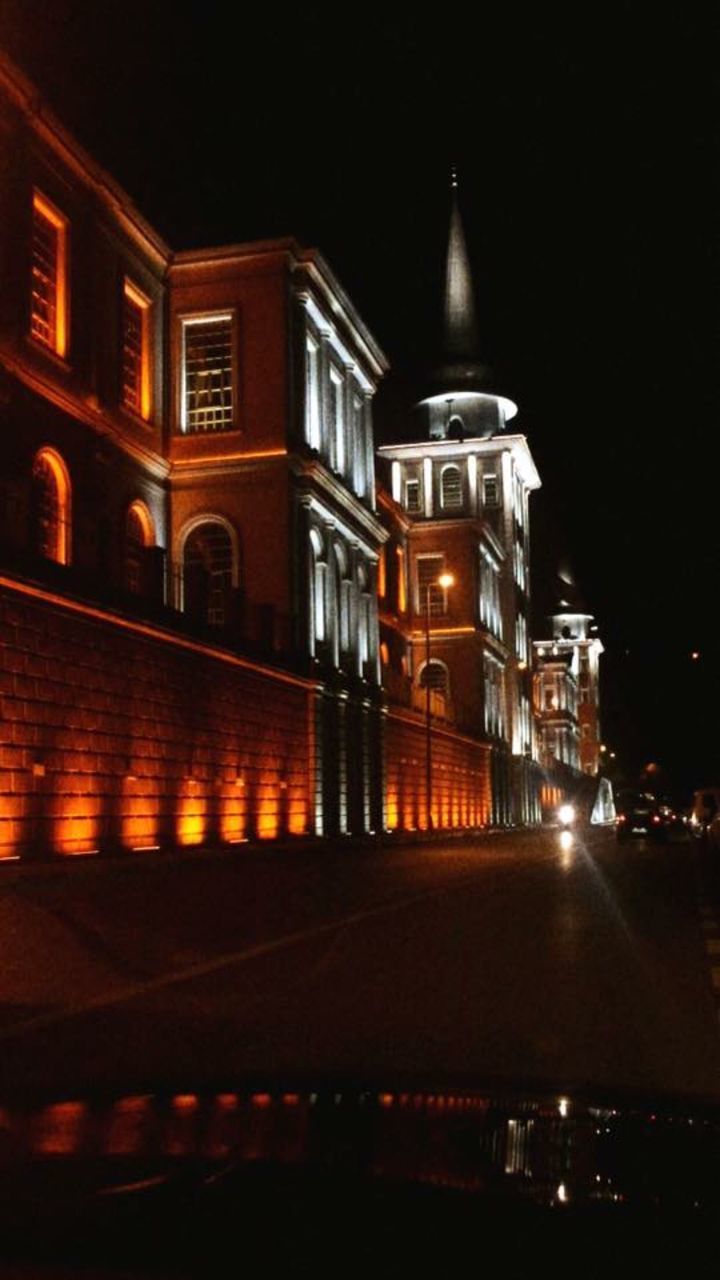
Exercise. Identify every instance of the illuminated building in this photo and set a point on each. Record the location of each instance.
(458, 501)
(188, 536)
(567, 684)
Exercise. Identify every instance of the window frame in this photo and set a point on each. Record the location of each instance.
(133, 294)
(43, 207)
(186, 320)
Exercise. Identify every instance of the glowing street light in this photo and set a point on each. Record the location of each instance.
(444, 581)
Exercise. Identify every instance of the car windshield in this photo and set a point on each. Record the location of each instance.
(358, 531)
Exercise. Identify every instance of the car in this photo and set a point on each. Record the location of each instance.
(638, 814)
(704, 812)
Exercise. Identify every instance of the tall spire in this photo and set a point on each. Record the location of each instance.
(460, 332)
(461, 364)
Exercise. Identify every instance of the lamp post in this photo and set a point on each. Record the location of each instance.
(444, 581)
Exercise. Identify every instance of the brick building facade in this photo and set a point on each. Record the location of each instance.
(190, 539)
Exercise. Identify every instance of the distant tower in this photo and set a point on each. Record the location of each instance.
(575, 641)
(461, 505)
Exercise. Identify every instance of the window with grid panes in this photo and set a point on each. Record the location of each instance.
(48, 276)
(451, 488)
(412, 495)
(208, 380)
(136, 351)
(429, 569)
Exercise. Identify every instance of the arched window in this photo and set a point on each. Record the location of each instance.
(208, 576)
(139, 535)
(435, 674)
(318, 591)
(50, 507)
(451, 494)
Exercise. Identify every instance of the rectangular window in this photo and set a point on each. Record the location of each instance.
(312, 394)
(491, 494)
(207, 374)
(49, 294)
(429, 569)
(402, 588)
(136, 393)
(337, 419)
(412, 495)
(381, 575)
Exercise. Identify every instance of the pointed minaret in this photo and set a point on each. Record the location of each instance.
(462, 404)
(460, 333)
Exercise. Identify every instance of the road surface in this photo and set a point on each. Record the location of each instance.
(518, 959)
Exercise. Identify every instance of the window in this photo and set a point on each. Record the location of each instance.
(401, 580)
(381, 575)
(451, 494)
(50, 507)
(344, 598)
(359, 445)
(139, 534)
(412, 495)
(208, 573)
(490, 613)
(136, 371)
(337, 419)
(384, 654)
(429, 569)
(435, 674)
(207, 374)
(49, 291)
(493, 696)
(491, 493)
(312, 394)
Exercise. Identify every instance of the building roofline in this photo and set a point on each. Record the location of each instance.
(27, 98)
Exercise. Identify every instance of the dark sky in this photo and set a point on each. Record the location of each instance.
(588, 156)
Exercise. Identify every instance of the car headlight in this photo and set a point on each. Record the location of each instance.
(566, 814)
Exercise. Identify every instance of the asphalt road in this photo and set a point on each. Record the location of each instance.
(512, 960)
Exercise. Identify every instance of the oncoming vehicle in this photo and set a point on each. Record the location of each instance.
(567, 816)
(638, 814)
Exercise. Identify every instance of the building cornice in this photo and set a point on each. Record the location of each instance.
(388, 503)
(315, 481)
(48, 128)
(311, 263)
(515, 445)
(221, 465)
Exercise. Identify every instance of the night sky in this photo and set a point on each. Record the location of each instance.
(588, 158)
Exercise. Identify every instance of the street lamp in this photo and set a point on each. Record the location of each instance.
(444, 581)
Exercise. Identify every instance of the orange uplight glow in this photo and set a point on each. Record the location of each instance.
(76, 826)
(59, 1128)
(261, 1101)
(191, 823)
(185, 1102)
(233, 812)
(268, 811)
(139, 812)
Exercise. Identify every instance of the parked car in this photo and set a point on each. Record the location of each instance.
(638, 814)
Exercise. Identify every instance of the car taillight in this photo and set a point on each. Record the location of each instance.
(656, 817)
(621, 817)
